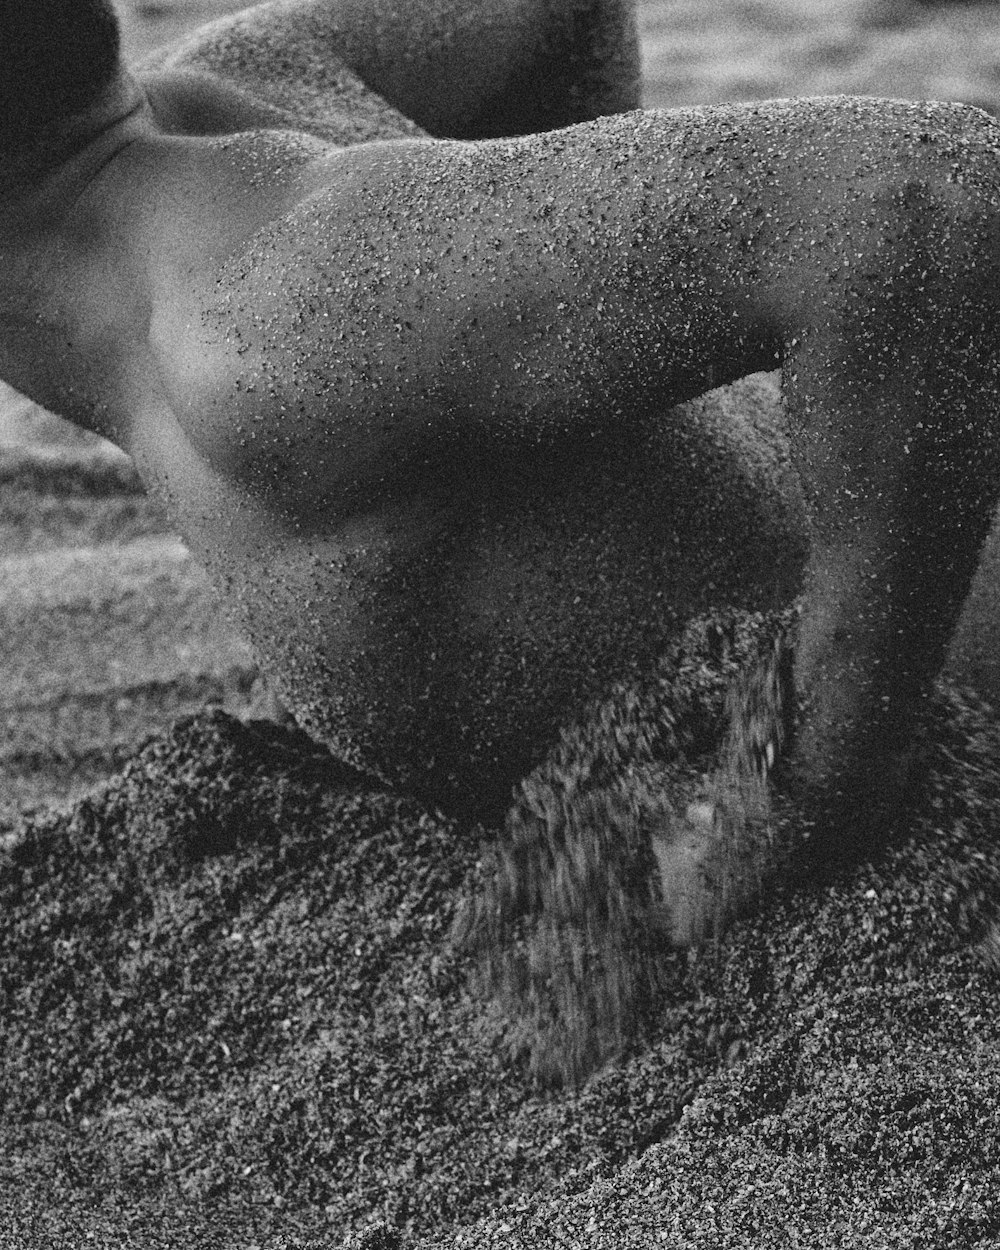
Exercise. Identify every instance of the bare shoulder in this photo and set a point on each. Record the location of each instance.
(840, 139)
(814, 134)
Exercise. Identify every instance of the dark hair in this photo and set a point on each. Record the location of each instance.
(57, 58)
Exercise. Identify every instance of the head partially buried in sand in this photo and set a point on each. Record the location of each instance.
(413, 401)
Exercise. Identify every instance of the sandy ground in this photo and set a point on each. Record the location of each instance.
(236, 1021)
(232, 1018)
(109, 627)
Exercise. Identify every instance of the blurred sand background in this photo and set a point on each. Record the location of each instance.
(110, 631)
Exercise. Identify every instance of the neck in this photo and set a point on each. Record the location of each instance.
(65, 156)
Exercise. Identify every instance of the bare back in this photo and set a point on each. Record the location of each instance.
(409, 385)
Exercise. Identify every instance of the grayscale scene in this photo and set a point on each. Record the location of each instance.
(500, 593)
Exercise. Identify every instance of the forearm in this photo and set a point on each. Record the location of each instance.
(896, 411)
(465, 68)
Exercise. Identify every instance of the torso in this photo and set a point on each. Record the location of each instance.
(431, 602)
(440, 573)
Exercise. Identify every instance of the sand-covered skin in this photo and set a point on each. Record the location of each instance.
(442, 555)
(692, 52)
(231, 1016)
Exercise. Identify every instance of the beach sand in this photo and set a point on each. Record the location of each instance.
(231, 1011)
(233, 1017)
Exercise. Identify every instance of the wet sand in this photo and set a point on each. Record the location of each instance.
(231, 1012)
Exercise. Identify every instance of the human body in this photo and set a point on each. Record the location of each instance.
(409, 399)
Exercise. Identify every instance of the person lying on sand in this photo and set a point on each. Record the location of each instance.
(407, 387)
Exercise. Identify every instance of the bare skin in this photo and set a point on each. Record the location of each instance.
(409, 400)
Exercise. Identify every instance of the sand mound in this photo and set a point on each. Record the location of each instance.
(231, 1016)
